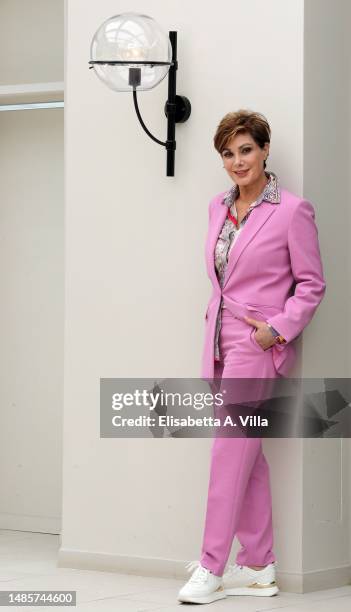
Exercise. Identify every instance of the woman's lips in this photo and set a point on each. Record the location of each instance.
(242, 173)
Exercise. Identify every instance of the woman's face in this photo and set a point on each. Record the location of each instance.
(243, 159)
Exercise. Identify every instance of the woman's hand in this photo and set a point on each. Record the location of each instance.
(263, 335)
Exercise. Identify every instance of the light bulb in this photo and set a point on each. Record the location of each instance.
(133, 53)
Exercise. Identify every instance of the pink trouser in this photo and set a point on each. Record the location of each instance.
(239, 496)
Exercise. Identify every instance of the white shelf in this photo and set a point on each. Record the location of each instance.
(31, 92)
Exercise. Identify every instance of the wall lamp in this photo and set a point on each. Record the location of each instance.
(130, 52)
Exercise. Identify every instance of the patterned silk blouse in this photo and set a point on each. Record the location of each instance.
(230, 232)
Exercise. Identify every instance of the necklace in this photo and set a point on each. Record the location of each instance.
(246, 203)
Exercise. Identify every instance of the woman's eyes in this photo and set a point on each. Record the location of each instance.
(229, 154)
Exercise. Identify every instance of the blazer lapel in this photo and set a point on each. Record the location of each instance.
(256, 220)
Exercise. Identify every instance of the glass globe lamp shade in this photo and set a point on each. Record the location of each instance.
(131, 38)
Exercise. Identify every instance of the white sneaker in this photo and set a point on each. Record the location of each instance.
(203, 586)
(241, 580)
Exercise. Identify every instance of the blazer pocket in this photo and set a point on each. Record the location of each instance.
(256, 344)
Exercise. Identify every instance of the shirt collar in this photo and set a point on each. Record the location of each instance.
(271, 192)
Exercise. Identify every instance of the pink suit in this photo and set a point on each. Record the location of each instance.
(274, 274)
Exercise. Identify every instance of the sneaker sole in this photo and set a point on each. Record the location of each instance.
(262, 591)
(219, 594)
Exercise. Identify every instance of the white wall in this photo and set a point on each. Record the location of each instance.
(326, 177)
(31, 319)
(31, 43)
(31, 271)
(326, 463)
(139, 311)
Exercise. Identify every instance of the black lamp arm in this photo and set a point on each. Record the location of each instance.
(142, 122)
(177, 108)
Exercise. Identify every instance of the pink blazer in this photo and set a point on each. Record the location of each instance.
(274, 273)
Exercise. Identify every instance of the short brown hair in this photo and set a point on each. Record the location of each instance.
(242, 120)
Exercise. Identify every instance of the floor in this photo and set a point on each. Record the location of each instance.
(28, 562)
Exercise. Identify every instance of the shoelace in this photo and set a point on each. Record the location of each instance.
(201, 573)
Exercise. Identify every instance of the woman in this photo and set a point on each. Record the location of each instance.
(263, 260)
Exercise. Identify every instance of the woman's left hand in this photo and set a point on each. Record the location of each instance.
(263, 335)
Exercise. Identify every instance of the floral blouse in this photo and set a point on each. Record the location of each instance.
(230, 232)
